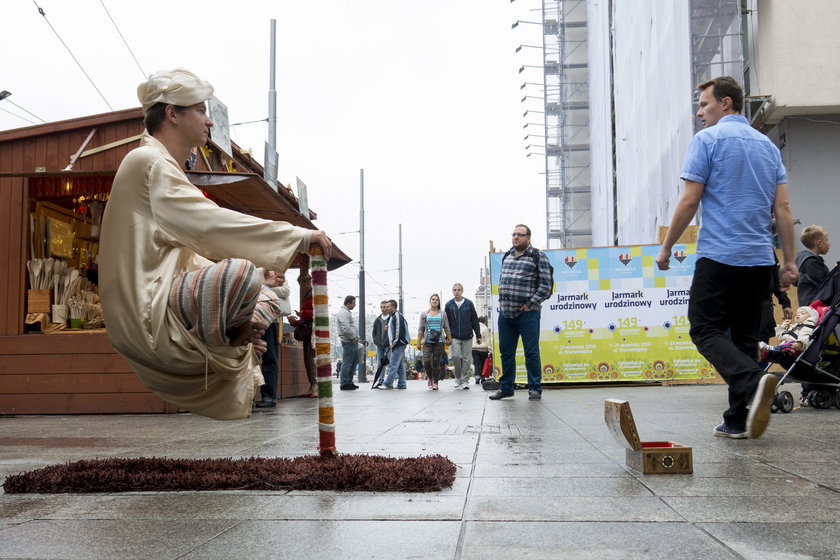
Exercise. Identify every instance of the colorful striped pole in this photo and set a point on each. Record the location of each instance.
(323, 363)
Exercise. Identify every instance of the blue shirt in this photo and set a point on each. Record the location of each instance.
(740, 168)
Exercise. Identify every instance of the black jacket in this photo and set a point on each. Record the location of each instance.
(380, 336)
(463, 321)
(812, 270)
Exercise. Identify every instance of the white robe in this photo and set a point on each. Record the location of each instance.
(156, 226)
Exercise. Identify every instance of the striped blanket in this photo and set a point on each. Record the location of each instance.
(212, 302)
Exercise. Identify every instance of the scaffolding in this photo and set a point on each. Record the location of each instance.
(566, 111)
(716, 47)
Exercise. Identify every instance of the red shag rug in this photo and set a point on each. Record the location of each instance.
(339, 473)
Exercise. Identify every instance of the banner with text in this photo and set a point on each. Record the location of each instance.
(613, 316)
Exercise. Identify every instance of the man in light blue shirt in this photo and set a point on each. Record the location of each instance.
(737, 174)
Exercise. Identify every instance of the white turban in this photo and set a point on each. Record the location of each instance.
(173, 87)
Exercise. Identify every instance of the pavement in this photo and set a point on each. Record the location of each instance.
(536, 479)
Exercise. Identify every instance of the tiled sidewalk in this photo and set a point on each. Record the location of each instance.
(537, 479)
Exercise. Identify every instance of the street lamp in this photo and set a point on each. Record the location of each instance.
(4, 94)
(517, 22)
(519, 48)
(524, 66)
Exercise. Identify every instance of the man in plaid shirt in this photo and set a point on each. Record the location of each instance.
(524, 284)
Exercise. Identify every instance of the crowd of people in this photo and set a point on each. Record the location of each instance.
(525, 282)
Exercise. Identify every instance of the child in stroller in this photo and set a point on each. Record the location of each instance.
(817, 366)
(793, 337)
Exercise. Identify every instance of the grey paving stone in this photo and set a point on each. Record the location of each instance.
(107, 539)
(558, 487)
(824, 507)
(589, 541)
(365, 505)
(575, 470)
(760, 486)
(536, 508)
(333, 540)
(760, 541)
(165, 505)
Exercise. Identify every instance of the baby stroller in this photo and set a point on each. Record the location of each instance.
(819, 364)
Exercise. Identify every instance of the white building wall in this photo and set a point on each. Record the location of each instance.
(809, 149)
(653, 112)
(600, 123)
(798, 62)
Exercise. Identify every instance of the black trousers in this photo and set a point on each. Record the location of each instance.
(479, 356)
(724, 310)
(270, 370)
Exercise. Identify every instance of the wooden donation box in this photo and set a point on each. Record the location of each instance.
(648, 457)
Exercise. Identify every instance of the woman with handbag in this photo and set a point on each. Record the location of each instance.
(431, 334)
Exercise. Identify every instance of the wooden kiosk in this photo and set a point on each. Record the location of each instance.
(49, 176)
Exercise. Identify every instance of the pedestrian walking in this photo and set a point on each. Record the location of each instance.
(463, 320)
(735, 175)
(431, 335)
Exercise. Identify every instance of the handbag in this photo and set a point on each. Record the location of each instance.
(487, 370)
(433, 336)
(303, 331)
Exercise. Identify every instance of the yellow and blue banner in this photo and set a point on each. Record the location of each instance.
(613, 316)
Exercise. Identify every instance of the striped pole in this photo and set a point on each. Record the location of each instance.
(321, 334)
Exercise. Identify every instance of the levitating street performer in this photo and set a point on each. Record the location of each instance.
(190, 328)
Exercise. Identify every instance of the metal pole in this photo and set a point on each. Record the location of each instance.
(362, 308)
(485, 281)
(272, 93)
(402, 309)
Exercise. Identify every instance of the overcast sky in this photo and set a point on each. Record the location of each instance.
(424, 96)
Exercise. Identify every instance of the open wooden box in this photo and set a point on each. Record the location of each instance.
(648, 457)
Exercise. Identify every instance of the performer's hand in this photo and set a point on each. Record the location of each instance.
(274, 279)
(663, 259)
(787, 313)
(319, 236)
(788, 275)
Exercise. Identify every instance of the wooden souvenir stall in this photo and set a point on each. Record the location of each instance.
(55, 180)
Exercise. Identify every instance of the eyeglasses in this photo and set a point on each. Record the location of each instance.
(519, 234)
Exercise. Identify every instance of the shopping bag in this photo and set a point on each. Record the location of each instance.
(487, 370)
(488, 383)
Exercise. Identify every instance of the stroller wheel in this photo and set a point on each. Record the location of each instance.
(785, 401)
(837, 399)
(822, 399)
(774, 406)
